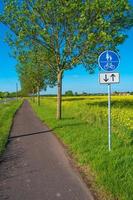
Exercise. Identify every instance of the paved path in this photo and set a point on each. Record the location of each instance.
(35, 165)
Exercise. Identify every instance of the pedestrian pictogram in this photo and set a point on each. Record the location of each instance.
(108, 60)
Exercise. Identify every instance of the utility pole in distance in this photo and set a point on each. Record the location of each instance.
(17, 91)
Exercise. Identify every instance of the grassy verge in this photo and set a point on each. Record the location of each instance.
(84, 130)
(6, 115)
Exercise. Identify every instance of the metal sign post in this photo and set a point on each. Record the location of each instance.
(109, 61)
(109, 116)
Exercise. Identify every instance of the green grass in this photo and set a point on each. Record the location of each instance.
(84, 130)
(7, 111)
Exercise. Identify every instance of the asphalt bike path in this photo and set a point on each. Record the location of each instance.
(35, 166)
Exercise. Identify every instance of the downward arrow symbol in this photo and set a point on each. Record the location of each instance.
(106, 78)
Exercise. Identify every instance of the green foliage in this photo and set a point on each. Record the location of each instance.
(4, 94)
(33, 73)
(7, 112)
(10, 94)
(69, 93)
(84, 130)
(74, 32)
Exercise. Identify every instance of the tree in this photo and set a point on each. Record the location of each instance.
(1, 94)
(84, 93)
(34, 75)
(69, 93)
(76, 94)
(74, 32)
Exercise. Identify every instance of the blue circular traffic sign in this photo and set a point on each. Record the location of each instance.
(108, 60)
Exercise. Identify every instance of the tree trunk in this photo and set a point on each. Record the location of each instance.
(59, 95)
(38, 96)
(33, 97)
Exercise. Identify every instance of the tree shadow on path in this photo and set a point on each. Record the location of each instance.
(44, 131)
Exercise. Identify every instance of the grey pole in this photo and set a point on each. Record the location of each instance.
(109, 116)
(17, 91)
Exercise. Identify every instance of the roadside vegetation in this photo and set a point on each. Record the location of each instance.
(6, 115)
(83, 130)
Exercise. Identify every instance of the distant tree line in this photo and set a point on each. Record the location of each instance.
(67, 93)
(71, 93)
(10, 94)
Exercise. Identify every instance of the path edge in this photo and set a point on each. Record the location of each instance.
(12, 122)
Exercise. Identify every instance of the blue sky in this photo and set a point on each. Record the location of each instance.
(78, 79)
